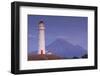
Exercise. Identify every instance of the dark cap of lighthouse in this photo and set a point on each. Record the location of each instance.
(41, 22)
(41, 25)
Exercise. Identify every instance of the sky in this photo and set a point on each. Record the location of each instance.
(73, 29)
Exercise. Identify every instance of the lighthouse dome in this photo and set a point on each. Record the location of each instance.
(41, 23)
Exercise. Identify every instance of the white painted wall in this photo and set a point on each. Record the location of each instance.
(41, 38)
(5, 39)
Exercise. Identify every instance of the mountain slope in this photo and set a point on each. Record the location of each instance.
(63, 48)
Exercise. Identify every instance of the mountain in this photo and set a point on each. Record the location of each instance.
(63, 48)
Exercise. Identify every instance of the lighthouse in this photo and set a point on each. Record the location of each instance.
(41, 43)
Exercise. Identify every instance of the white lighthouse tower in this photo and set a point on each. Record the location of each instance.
(41, 49)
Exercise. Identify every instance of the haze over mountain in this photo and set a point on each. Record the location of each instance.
(63, 48)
